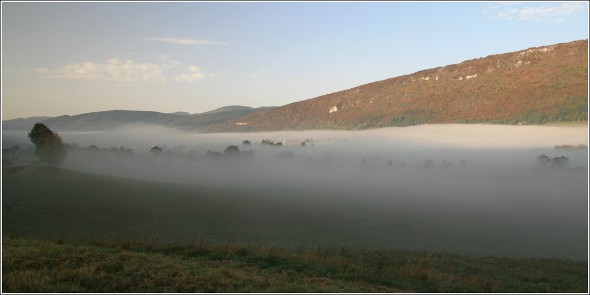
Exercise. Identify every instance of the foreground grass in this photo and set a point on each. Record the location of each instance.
(32, 265)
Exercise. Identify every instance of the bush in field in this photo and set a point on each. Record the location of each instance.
(232, 150)
(560, 162)
(267, 142)
(156, 150)
(48, 145)
(557, 162)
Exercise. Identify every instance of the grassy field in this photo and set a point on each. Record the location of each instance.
(44, 202)
(32, 265)
(68, 231)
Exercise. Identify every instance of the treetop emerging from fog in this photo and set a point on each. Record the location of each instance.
(48, 145)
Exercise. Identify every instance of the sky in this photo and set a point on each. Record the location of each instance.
(70, 58)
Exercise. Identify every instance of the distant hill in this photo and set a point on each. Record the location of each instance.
(108, 120)
(200, 122)
(22, 123)
(532, 86)
(229, 109)
(235, 108)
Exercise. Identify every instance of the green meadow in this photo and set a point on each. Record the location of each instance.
(69, 231)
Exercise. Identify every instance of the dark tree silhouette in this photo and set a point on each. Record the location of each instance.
(48, 145)
(560, 162)
(232, 150)
(156, 150)
(39, 133)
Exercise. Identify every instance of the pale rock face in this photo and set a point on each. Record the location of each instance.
(544, 49)
(471, 77)
(333, 109)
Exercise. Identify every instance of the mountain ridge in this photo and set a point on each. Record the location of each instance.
(530, 86)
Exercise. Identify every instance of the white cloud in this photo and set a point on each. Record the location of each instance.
(546, 12)
(194, 74)
(128, 71)
(182, 41)
(42, 70)
(113, 69)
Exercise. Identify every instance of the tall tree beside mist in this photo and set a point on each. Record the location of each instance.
(48, 145)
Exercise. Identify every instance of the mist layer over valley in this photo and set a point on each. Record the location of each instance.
(477, 189)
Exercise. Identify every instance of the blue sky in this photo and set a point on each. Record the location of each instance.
(72, 58)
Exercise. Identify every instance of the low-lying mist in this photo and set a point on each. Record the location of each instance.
(472, 188)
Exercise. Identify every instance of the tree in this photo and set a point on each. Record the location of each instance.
(560, 162)
(48, 145)
(155, 150)
(232, 150)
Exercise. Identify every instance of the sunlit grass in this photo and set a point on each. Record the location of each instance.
(32, 265)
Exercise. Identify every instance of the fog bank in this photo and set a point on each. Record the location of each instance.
(479, 189)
